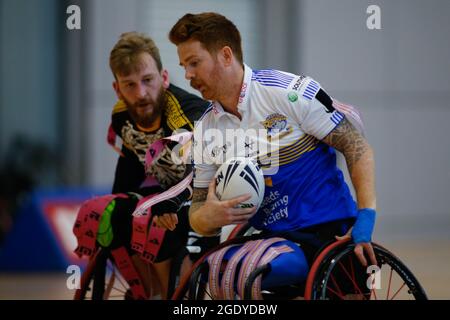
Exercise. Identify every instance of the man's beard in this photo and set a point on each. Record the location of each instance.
(210, 93)
(149, 118)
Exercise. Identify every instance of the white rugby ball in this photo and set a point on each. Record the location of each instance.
(239, 176)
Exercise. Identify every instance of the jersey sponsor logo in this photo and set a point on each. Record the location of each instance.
(292, 96)
(275, 208)
(298, 83)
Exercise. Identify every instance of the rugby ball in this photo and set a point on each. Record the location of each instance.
(239, 176)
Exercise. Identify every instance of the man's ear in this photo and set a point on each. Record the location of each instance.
(165, 76)
(115, 85)
(227, 55)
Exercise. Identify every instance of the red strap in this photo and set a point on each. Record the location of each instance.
(88, 219)
(127, 270)
(147, 245)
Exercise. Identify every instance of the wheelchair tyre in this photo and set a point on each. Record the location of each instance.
(393, 280)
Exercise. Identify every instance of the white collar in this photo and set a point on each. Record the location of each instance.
(243, 96)
(245, 89)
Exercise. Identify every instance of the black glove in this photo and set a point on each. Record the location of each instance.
(172, 205)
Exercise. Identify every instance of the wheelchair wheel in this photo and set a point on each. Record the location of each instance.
(198, 283)
(101, 280)
(193, 286)
(337, 275)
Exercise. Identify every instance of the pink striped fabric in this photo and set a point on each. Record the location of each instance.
(352, 114)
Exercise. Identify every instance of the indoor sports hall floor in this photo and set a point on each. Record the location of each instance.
(429, 259)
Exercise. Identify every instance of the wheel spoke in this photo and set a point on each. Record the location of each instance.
(398, 291)
(205, 291)
(116, 296)
(120, 290)
(355, 285)
(336, 293)
(389, 284)
(336, 285)
(119, 277)
(109, 286)
(352, 270)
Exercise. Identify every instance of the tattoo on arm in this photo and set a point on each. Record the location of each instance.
(346, 139)
(199, 195)
(198, 198)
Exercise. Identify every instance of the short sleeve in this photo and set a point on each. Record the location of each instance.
(314, 111)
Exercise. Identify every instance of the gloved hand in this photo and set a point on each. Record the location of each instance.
(165, 214)
(363, 227)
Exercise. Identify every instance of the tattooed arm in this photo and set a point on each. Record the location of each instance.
(198, 200)
(208, 214)
(360, 162)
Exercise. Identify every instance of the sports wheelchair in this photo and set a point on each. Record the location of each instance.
(335, 274)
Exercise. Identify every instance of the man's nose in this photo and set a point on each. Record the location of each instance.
(140, 91)
(188, 74)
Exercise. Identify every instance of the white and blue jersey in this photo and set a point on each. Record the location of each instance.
(284, 119)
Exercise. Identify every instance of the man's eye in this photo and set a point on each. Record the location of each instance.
(147, 80)
(194, 64)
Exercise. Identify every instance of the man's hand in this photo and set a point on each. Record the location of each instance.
(165, 214)
(360, 248)
(214, 214)
(361, 233)
(167, 221)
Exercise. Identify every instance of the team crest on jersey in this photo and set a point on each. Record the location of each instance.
(276, 124)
